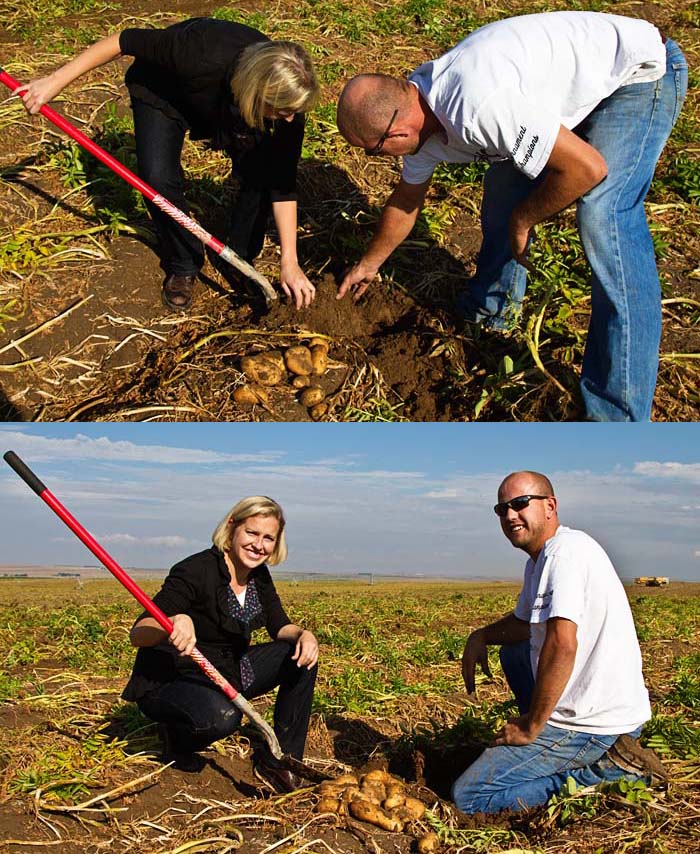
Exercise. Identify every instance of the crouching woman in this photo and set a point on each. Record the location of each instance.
(216, 599)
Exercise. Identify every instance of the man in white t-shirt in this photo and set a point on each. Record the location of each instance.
(565, 107)
(571, 656)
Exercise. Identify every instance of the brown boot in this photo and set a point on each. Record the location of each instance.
(178, 291)
(627, 753)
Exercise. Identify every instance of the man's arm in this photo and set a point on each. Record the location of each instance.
(554, 669)
(395, 224)
(507, 630)
(574, 167)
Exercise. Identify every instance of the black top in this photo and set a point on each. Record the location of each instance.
(185, 70)
(199, 586)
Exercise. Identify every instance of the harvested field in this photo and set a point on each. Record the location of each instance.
(85, 336)
(81, 770)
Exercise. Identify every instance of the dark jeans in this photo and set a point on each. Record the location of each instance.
(198, 714)
(159, 141)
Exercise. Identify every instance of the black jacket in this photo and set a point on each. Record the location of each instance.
(198, 586)
(185, 70)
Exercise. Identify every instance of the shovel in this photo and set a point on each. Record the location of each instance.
(290, 762)
(167, 207)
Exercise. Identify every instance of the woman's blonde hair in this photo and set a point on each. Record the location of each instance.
(253, 505)
(273, 76)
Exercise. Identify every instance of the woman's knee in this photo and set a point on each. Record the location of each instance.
(225, 723)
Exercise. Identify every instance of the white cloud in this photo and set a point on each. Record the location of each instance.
(676, 471)
(442, 493)
(84, 448)
(173, 541)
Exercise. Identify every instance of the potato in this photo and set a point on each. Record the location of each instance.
(412, 809)
(394, 800)
(276, 357)
(330, 789)
(346, 780)
(261, 370)
(319, 342)
(319, 360)
(311, 396)
(250, 394)
(298, 360)
(378, 775)
(369, 812)
(317, 412)
(395, 787)
(350, 792)
(328, 805)
(375, 792)
(300, 381)
(428, 844)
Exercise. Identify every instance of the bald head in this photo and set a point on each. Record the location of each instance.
(530, 482)
(367, 104)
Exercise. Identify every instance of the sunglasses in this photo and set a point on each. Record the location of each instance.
(517, 504)
(372, 152)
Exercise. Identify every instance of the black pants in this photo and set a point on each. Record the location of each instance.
(198, 714)
(159, 141)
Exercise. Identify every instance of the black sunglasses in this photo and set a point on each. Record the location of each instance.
(517, 504)
(372, 152)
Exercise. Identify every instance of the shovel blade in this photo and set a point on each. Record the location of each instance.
(301, 769)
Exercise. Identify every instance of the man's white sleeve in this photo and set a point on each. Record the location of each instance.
(511, 126)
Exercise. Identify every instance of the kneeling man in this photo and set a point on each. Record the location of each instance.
(571, 657)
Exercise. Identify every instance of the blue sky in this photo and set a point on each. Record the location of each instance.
(397, 498)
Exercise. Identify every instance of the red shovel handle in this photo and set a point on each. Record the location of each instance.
(167, 207)
(28, 476)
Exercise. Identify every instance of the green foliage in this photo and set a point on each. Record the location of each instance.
(10, 687)
(632, 791)
(376, 409)
(570, 805)
(686, 683)
(684, 177)
(673, 736)
(256, 20)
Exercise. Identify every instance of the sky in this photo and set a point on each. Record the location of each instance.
(400, 499)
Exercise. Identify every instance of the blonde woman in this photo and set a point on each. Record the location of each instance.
(216, 599)
(228, 84)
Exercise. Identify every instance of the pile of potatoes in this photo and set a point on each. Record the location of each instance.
(303, 362)
(377, 798)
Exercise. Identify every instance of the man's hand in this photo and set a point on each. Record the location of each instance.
(517, 731)
(475, 652)
(295, 284)
(520, 233)
(358, 279)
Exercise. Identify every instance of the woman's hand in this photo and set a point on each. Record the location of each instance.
(38, 92)
(295, 284)
(306, 650)
(183, 636)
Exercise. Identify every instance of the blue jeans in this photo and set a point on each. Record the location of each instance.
(620, 364)
(514, 778)
(197, 713)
